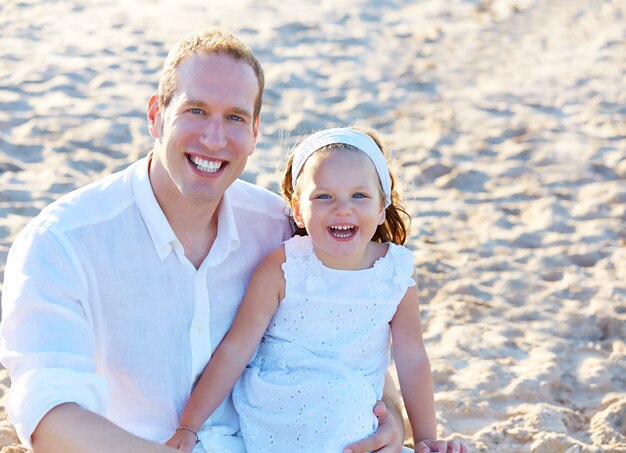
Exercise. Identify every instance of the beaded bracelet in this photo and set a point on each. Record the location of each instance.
(185, 428)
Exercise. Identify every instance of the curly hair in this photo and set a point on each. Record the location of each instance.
(397, 220)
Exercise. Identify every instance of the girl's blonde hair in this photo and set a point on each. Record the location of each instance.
(397, 220)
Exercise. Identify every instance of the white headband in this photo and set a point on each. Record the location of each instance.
(344, 136)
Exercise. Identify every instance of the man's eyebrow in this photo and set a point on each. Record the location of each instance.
(191, 102)
(238, 110)
(242, 111)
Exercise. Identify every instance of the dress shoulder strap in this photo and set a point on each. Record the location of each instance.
(301, 266)
(404, 265)
(298, 247)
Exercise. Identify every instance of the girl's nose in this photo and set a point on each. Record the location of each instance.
(342, 206)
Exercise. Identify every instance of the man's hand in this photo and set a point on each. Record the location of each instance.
(441, 446)
(387, 439)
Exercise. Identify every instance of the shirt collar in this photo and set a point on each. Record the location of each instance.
(227, 239)
(163, 237)
(160, 231)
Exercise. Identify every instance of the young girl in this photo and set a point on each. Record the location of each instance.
(322, 307)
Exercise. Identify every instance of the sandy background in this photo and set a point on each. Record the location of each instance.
(508, 123)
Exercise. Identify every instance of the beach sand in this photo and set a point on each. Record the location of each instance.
(507, 120)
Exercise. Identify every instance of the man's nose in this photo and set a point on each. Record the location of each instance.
(214, 136)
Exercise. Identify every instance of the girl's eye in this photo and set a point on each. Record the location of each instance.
(323, 197)
(359, 195)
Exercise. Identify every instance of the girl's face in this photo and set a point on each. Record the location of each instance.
(340, 205)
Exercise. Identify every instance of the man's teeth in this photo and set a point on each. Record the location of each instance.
(337, 230)
(209, 166)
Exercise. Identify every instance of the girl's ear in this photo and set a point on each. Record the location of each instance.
(381, 214)
(297, 215)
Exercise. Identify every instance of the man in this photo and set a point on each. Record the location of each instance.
(116, 295)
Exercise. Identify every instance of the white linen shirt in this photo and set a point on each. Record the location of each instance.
(102, 308)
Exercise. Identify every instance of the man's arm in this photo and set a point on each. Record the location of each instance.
(390, 434)
(51, 361)
(72, 429)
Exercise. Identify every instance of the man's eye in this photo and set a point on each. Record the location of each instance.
(235, 117)
(196, 111)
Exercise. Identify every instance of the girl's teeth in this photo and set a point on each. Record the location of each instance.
(342, 231)
(208, 166)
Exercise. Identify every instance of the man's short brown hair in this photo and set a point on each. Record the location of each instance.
(213, 41)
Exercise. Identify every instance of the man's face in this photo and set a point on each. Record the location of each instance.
(206, 133)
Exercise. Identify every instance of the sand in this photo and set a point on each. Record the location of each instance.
(507, 120)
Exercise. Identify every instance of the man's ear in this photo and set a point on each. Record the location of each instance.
(154, 117)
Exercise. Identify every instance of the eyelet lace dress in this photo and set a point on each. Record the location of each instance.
(320, 368)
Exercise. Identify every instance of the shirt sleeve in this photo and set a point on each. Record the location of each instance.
(46, 335)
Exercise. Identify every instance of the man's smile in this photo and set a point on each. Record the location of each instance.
(206, 165)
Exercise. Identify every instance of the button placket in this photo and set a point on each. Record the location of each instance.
(200, 334)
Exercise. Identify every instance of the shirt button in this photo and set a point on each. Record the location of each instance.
(199, 328)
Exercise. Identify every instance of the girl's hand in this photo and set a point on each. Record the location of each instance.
(182, 440)
(441, 446)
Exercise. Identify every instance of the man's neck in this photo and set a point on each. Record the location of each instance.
(196, 235)
(194, 224)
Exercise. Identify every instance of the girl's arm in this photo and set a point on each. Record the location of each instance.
(264, 292)
(413, 367)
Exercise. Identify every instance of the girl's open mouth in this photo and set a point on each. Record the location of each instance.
(343, 231)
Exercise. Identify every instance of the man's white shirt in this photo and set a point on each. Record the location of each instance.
(102, 308)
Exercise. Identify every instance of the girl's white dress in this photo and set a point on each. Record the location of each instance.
(320, 368)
